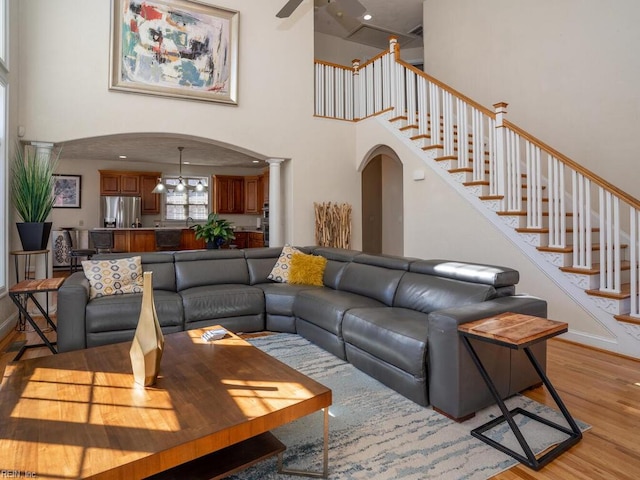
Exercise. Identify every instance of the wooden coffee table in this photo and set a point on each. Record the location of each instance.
(80, 415)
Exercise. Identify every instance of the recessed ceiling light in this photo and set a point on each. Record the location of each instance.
(255, 161)
(187, 163)
(367, 16)
(122, 156)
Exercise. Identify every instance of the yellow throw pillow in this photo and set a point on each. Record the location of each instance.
(113, 277)
(280, 271)
(307, 269)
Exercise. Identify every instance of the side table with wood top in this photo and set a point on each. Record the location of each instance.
(23, 291)
(517, 331)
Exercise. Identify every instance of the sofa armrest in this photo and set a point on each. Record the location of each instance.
(73, 297)
(455, 385)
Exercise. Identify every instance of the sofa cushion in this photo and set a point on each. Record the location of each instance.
(307, 269)
(221, 301)
(371, 281)
(469, 272)
(280, 271)
(210, 267)
(160, 263)
(426, 293)
(279, 297)
(337, 260)
(113, 276)
(325, 307)
(397, 336)
(121, 312)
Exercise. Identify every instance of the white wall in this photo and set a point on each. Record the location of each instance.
(570, 71)
(64, 52)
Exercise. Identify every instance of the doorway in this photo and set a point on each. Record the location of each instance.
(382, 204)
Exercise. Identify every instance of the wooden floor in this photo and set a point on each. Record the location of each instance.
(598, 388)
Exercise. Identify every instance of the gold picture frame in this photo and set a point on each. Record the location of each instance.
(174, 48)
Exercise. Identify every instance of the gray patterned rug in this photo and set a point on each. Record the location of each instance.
(375, 433)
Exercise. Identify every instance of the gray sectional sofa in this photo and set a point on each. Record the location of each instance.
(394, 318)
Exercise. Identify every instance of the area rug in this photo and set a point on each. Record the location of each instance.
(376, 433)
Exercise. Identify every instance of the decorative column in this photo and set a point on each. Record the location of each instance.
(44, 151)
(275, 203)
(394, 51)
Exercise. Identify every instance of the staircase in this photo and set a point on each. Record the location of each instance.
(581, 230)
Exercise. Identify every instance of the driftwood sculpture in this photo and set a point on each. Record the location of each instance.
(333, 224)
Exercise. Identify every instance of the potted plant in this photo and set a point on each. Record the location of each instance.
(215, 232)
(32, 195)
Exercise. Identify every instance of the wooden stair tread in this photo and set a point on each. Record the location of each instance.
(569, 248)
(595, 268)
(624, 293)
(627, 319)
(524, 214)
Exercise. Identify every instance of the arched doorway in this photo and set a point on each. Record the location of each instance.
(382, 203)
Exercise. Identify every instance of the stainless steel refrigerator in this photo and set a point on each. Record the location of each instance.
(120, 212)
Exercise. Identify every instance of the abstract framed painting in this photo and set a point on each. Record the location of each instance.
(67, 191)
(174, 48)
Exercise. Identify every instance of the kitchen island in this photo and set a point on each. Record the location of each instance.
(144, 240)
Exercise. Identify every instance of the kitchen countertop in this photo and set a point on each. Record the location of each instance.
(248, 230)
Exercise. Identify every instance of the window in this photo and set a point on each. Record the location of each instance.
(190, 203)
(4, 187)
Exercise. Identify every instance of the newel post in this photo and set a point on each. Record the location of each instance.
(357, 101)
(501, 154)
(394, 52)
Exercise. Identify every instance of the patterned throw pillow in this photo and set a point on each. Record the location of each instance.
(113, 277)
(280, 271)
(307, 269)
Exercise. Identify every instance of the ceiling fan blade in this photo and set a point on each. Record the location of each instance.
(288, 9)
(353, 8)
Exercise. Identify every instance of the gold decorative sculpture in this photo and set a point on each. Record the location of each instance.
(148, 342)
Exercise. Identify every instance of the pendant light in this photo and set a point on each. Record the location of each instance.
(160, 187)
(180, 187)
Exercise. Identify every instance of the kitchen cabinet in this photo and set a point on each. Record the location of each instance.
(256, 240)
(252, 196)
(228, 194)
(150, 202)
(188, 240)
(114, 182)
(249, 239)
(241, 240)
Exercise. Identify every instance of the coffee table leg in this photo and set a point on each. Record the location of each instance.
(325, 455)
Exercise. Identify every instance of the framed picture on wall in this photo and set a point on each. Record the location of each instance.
(66, 190)
(174, 48)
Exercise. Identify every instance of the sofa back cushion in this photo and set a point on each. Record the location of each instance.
(260, 262)
(210, 267)
(428, 293)
(371, 281)
(160, 263)
(494, 275)
(337, 260)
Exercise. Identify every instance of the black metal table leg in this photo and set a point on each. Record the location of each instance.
(22, 308)
(574, 434)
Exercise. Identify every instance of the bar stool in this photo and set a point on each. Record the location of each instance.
(168, 239)
(102, 240)
(75, 253)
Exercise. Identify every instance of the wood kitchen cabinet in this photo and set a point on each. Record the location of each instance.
(228, 194)
(252, 195)
(150, 202)
(241, 240)
(265, 186)
(256, 240)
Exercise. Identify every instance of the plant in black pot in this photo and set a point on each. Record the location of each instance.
(215, 232)
(32, 195)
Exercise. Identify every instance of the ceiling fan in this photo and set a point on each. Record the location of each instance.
(346, 10)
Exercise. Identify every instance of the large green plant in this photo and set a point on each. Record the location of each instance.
(216, 230)
(32, 184)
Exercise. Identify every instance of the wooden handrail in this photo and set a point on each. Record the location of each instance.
(444, 86)
(373, 59)
(330, 64)
(634, 202)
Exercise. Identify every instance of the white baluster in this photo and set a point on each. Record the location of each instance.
(463, 137)
(434, 110)
(634, 258)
